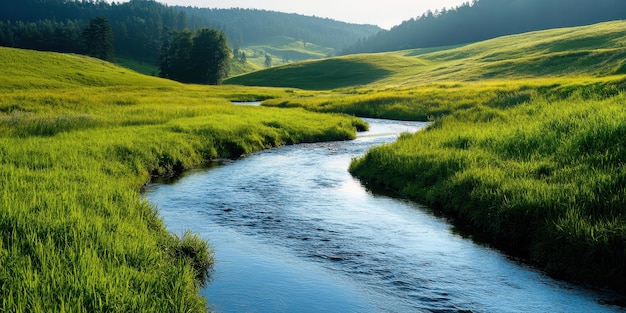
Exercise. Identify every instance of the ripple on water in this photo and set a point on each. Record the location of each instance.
(294, 232)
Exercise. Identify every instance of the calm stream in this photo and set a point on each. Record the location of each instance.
(294, 232)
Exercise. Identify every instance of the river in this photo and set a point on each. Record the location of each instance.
(294, 232)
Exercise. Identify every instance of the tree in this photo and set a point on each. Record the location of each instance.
(268, 60)
(210, 56)
(180, 57)
(201, 58)
(98, 38)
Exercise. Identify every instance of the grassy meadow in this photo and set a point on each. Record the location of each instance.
(526, 149)
(79, 138)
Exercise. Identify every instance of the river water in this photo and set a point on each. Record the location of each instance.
(294, 232)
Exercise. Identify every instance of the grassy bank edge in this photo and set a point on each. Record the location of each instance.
(541, 179)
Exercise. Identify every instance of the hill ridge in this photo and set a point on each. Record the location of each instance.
(595, 50)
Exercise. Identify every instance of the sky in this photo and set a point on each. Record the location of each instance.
(383, 13)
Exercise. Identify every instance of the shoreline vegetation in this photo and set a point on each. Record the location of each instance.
(78, 139)
(543, 179)
(526, 150)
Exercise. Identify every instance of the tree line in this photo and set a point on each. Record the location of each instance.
(139, 26)
(485, 19)
(57, 25)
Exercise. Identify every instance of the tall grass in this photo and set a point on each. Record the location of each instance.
(431, 101)
(75, 234)
(545, 180)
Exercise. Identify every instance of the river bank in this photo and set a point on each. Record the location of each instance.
(542, 178)
(294, 232)
(79, 138)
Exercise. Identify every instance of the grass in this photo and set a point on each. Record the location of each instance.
(526, 149)
(315, 75)
(543, 179)
(589, 51)
(141, 67)
(147, 68)
(79, 138)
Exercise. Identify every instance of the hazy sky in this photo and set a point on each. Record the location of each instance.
(384, 13)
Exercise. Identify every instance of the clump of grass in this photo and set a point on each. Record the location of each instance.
(23, 124)
(191, 249)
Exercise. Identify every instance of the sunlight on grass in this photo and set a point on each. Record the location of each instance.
(526, 145)
(79, 138)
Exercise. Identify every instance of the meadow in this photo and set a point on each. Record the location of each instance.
(526, 149)
(79, 138)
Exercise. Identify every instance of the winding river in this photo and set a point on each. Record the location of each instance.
(294, 232)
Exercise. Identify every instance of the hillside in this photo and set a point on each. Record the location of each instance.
(249, 27)
(526, 149)
(486, 19)
(79, 138)
(139, 27)
(593, 51)
(51, 70)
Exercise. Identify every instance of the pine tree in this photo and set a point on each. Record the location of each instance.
(98, 38)
(210, 56)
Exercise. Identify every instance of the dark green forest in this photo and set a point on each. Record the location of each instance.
(486, 19)
(200, 57)
(140, 26)
(246, 26)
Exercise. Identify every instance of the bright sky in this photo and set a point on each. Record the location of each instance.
(385, 13)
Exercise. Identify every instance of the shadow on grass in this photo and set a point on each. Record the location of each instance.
(317, 75)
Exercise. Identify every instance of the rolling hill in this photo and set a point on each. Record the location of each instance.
(480, 20)
(595, 51)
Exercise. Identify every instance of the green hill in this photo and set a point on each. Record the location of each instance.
(79, 138)
(139, 28)
(318, 75)
(31, 69)
(486, 19)
(596, 50)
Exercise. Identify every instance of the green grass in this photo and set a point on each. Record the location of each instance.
(591, 51)
(285, 48)
(543, 179)
(315, 75)
(79, 138)
(526, 149)
(141, 67)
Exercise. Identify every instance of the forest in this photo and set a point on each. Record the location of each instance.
(486, 19)
(140, 26)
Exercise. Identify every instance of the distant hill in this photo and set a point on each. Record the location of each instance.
(246, 27)
(596, 50)
(139, 27)
(485, 19)
(57, 71)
